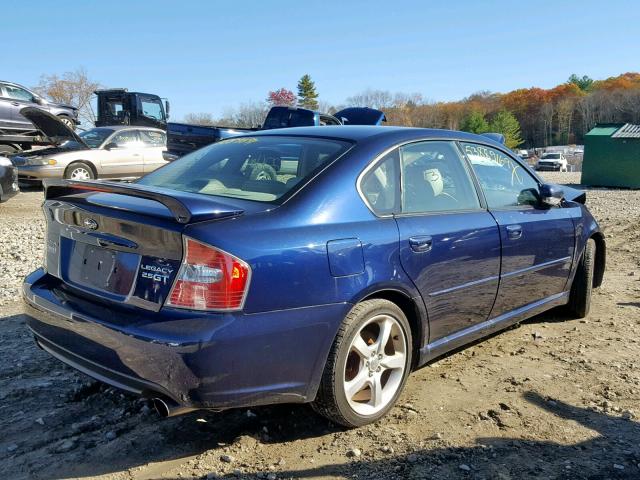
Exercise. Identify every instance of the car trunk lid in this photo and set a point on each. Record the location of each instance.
(121, 243)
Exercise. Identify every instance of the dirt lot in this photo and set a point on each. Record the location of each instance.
(554, 398)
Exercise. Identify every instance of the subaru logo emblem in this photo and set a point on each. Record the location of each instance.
(90, 223)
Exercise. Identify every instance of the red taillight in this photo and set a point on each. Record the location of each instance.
(209, 279)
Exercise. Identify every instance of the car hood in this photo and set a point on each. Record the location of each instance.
(66, 147)
(56, 131)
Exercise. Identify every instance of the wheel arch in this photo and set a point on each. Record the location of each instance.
(66, 115)
(414, 310)
(600, 260)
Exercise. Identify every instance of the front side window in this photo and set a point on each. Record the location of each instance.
(435, 179)
(95, 136)
(260, 168)
(151, 108)
(18, 93)
(151, 138)
(504, 181)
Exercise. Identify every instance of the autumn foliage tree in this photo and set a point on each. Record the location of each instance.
(282, 97)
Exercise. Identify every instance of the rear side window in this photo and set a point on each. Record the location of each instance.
(435, 179)
(260, 168)
(504, 181)
(151, 138)
(380, 185)
(127, 138)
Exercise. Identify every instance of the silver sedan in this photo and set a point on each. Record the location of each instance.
(118, 152)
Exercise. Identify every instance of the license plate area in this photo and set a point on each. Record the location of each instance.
(100, 269)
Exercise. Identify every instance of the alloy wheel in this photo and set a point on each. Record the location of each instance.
(68, 122)
(375, 365)
(80, 173)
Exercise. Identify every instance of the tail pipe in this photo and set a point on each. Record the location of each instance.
(169, 408)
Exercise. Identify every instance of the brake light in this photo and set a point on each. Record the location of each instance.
(209, 279)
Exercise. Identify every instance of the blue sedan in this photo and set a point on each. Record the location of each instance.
(316, 265)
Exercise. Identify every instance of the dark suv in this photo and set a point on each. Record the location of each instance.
(14, 97)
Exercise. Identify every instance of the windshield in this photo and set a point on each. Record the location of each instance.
(95, 136)
(260, 168)
(551, 155)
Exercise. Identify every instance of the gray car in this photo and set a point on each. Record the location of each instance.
(14, 97)
(118, 152)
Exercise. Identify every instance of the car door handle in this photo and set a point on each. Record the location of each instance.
(514, 232)
(15, 104)
(421, 243)
(135, 154)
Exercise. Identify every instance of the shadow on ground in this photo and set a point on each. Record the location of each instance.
(613, 454)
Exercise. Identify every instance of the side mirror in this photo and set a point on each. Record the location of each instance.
(169, 157)
(166, 107)
(551, 195)
(38, 100)
(111, 146)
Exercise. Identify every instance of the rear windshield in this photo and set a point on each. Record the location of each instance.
(283, 117)
(261, 168)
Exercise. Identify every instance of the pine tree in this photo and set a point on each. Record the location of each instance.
(307, 95)
(474, 122)
(507, 124)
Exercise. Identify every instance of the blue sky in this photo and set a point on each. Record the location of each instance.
(206, 56)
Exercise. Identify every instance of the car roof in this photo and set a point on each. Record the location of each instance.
(358, 133)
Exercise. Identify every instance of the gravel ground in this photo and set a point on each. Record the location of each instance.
(553, 398)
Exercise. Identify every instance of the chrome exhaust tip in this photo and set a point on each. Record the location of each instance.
(167, 408)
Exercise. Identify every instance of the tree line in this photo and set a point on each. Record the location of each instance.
(528, 117)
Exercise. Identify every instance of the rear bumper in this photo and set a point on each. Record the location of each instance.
(196, 360)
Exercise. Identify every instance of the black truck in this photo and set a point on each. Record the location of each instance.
(118, 106)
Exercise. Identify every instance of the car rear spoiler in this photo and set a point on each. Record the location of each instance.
(496, 137)
(185, 207)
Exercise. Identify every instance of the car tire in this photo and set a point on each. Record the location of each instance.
(67, 121)
(361, 365)
(580, 296)
(79, 171)
(262, 171)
